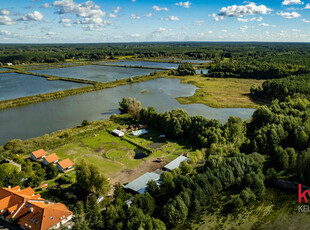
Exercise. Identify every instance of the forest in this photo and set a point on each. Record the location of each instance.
(283, 53)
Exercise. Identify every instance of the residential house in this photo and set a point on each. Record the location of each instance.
(53, 158)
(64, 165)
(38, 154)
(30, 211)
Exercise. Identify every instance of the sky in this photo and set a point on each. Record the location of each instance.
(82, 21)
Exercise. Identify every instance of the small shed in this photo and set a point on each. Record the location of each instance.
(175, 163)
(139, 132)
(139, 185)
(118, 133)
(38, 154)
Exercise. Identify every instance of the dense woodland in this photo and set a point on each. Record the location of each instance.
(243, 157)
(284, 53)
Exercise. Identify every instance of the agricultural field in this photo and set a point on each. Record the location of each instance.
(221, 92)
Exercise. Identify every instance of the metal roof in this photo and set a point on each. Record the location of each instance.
(139, 185)
(176, 163)
(139, 132)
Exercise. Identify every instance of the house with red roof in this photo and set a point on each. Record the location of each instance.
(38, 155)
(30, 211)
(64, 165)
(52, 158)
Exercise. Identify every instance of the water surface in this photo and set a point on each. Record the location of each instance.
(45, 117)
(152, 64)
(96, 72)
(14, 85)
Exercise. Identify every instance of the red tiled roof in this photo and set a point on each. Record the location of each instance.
(66, 163)
(39, 153)
(51, 158)
(31, 211)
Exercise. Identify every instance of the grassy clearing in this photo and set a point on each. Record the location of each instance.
(221, 92)
(117, 158)
(277, 209)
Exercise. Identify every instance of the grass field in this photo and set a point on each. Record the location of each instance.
(277, 209)
(221, 92)
(119, 159)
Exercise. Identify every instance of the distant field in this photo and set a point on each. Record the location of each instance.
(277, 209)
(116, 158)
(221, 92)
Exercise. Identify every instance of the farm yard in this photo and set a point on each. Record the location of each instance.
(120, 159)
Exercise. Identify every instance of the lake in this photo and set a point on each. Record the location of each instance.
(14, 85)
(152, 64)
(4, 69)
(96, 72)
(45, 117)
(195, 61)
(204, 71)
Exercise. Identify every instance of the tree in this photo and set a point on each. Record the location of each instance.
(85, 123)
(80, 222)
(51, 171)
(186, 69)
(175, 212)
(9, 175)
(131, 106)
(145, 202)
(90, 179)
(93, 214)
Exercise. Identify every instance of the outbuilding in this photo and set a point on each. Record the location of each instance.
(139, 132)
(139, 185)
(175, 163)
(118, 133)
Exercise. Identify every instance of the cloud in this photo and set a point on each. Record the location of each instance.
(90, 21)
(5, 33)
(117, 9)
(134, 17)
(149, 15)
(289, 15)
(4, 12)
(5, 20)
(260, 19)
(239, 11)
(292, 2)
(135, 35)
(65, 20)
(172, 18)
(264, 24)
(184, 4)
(112, 16)
(35, 16)
(243, 28)
(50, 33)
(160, 30)
(157, 8)
(133, 0)
(46, 5)
(305, 20)
(246, 19)
(307, 7)
(95, 28)
(91, 12)
(216, 17)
